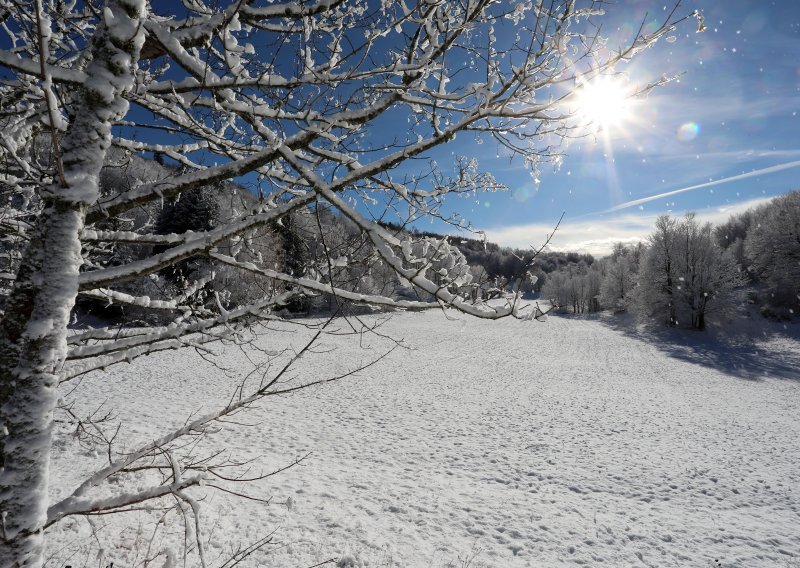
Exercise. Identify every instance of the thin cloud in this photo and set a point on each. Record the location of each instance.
(754, 173)
(733, 155)
(727, 108)
(598, 236)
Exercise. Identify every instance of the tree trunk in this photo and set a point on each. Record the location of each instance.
(34, 328)
(33, 345)
(671, 298)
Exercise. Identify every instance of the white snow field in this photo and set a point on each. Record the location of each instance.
(503, 444)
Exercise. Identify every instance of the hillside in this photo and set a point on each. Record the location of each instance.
(502, 265)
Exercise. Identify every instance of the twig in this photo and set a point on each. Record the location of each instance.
(46, 81)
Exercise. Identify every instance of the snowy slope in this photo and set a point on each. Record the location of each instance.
(571, 442)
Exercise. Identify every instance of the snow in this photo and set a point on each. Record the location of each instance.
(509, 443)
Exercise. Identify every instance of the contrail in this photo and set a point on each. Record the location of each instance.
(754, 173)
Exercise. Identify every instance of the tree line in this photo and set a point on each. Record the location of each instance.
(686, 271)
(683, 273)
(315, 243)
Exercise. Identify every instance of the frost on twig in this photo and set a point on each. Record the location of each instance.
(176, 179)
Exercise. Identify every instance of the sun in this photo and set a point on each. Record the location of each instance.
(603, 103)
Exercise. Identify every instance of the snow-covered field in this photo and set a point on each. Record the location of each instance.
(570, 442)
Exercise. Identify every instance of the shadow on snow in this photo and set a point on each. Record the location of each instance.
(752, 349)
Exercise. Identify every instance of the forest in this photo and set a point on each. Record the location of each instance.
(687, 271)
(684, 273)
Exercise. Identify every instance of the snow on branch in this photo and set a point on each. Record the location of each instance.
(79, 501)
(172, 177)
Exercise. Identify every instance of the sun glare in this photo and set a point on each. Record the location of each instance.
(603, 103)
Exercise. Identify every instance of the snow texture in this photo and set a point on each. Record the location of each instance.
(510, 443)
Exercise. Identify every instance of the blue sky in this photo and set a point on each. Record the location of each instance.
(719, 139)
(729, 124)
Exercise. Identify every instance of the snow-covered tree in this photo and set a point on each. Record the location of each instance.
(655, 293)
(731, 236)
(709, 278)
(289, 99)
(619, 276)
(686, 275)
(772, 249)
(576, 287)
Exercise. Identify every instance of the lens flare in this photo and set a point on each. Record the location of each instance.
(522, 194)
(688, 131)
